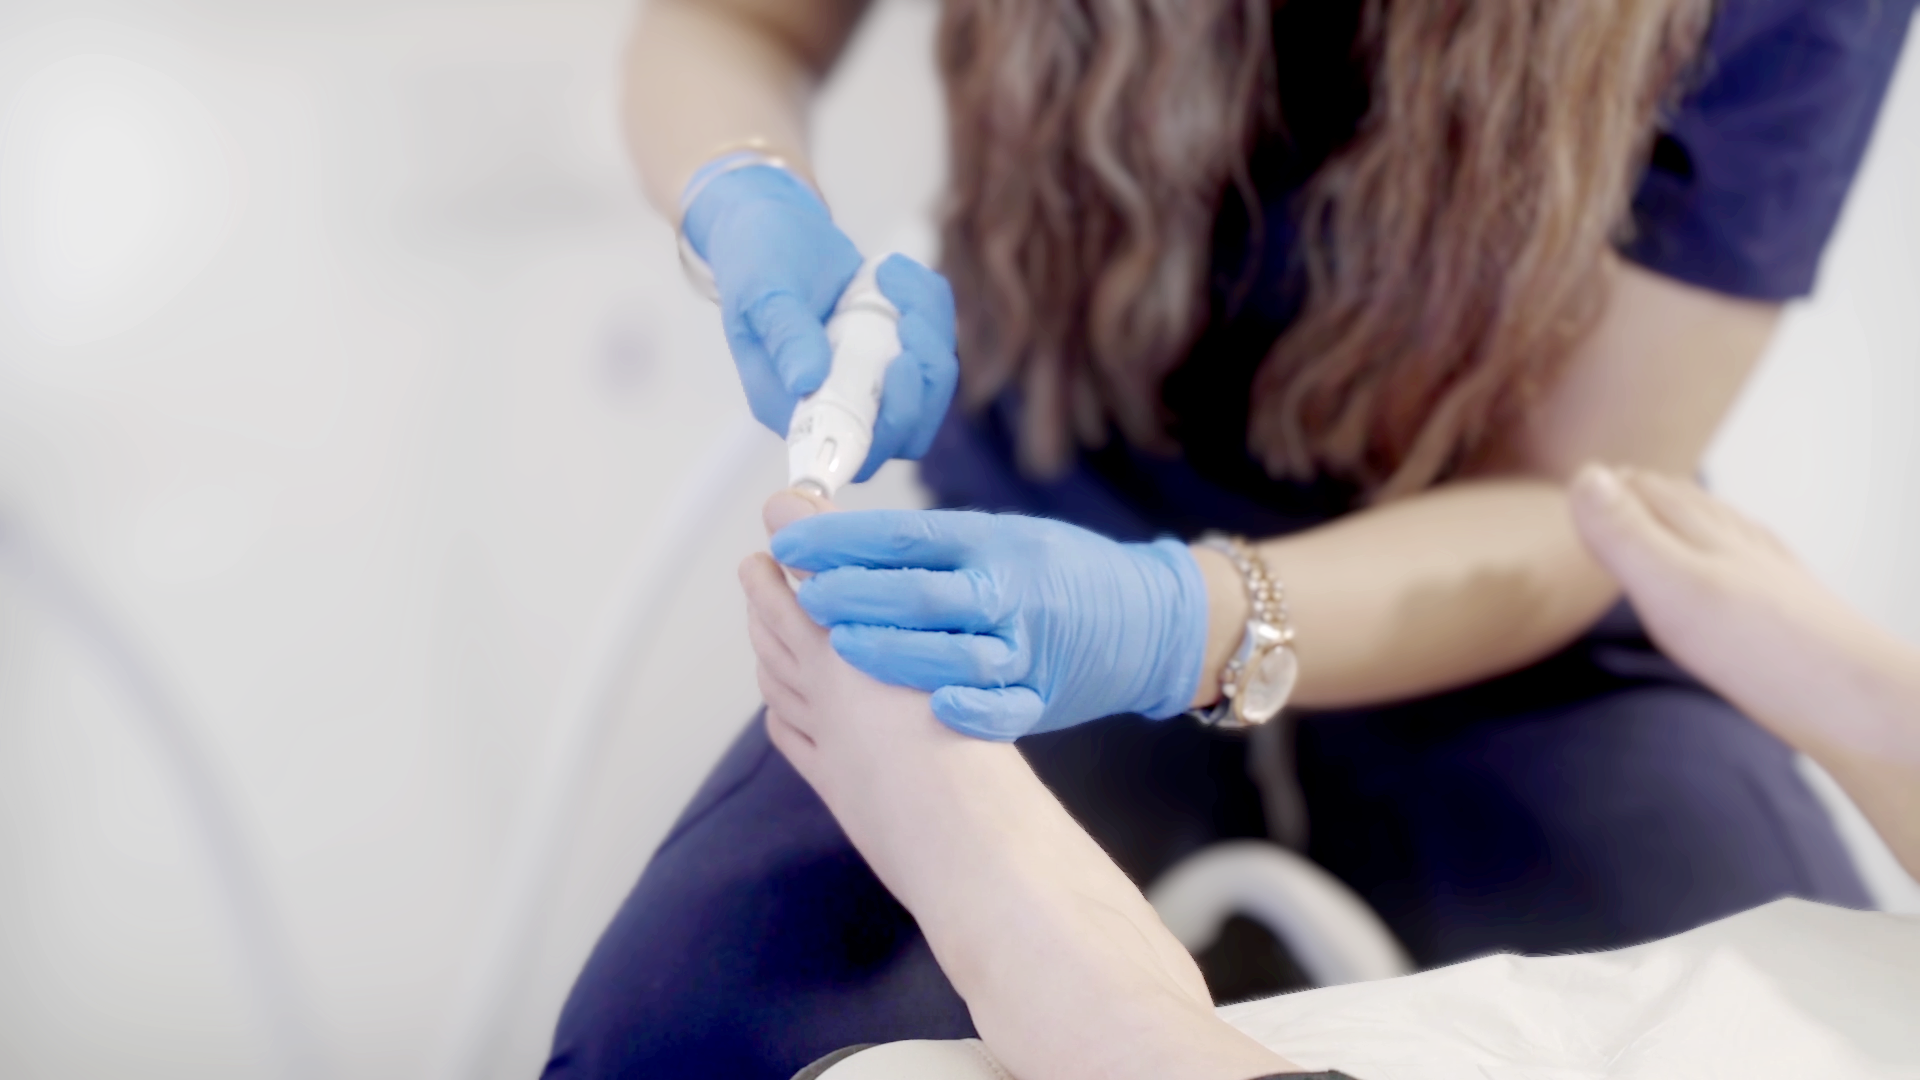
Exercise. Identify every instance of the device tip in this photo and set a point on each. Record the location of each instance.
(813, 488)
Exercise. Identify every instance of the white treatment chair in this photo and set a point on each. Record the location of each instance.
(1786, 991)
(1330, 932)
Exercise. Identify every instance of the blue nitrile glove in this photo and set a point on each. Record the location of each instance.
(780, 264)
(1015, 624)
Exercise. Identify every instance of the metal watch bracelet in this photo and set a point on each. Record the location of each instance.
(1258, 679)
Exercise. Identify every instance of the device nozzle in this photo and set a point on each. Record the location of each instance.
(811, 487)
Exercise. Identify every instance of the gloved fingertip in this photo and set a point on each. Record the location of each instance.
(789, 544)
(848, 639)
(968, 724)
(861, 646)
(775, 416)
(916, 289)
(803, 367)
(1000, 714)
(899, 409)
(803, 378)
(895, 269)
(940, 378)
(808, 598)
(920, 445)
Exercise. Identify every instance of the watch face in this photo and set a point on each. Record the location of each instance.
(1267, 685)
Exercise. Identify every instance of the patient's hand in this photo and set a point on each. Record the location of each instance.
(1065, 967)
(1730, 603)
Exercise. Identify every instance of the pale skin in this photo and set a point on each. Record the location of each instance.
(1466, 581)
(1065, 968)
(1728, 601)
(702, 77)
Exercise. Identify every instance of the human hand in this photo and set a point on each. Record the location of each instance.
(1013, 624)
(780, 265)
(1725, 599)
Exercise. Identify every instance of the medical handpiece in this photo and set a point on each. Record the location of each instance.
(832, 428)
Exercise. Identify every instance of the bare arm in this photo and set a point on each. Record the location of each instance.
(705, 75)
(1485, 575)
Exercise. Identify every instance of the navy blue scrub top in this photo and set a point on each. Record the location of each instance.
(1744, 183)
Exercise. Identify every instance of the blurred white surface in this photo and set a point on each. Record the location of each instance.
(1784, 991)
(338, 351)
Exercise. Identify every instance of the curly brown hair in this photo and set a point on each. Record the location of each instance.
(1453, 251)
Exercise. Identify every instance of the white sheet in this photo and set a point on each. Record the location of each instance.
(1789, 991)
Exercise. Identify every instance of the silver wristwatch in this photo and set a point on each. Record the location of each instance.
(1256, 683)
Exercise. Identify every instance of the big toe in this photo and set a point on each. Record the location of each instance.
(787, 507)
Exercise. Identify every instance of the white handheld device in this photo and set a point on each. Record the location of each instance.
(832, 428)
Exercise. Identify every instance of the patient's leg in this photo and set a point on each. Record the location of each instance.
(1728, 601)
(1063, 964)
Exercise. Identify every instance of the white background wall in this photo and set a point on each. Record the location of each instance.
(337, 352)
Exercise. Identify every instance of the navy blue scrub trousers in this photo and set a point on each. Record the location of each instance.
(1598, 799)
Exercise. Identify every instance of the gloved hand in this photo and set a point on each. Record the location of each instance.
(1014, 624)
(780, 265)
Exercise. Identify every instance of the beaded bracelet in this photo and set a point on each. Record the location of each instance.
(1266, 645)
(743, 155)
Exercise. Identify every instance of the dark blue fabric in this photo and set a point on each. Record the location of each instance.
(756, 941)
(1749, 174)
(1596, 800)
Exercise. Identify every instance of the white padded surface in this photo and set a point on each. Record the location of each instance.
(1332, 934)
(1789, 991)
(920, 1059)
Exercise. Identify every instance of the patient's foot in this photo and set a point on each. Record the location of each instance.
(1065, 967)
